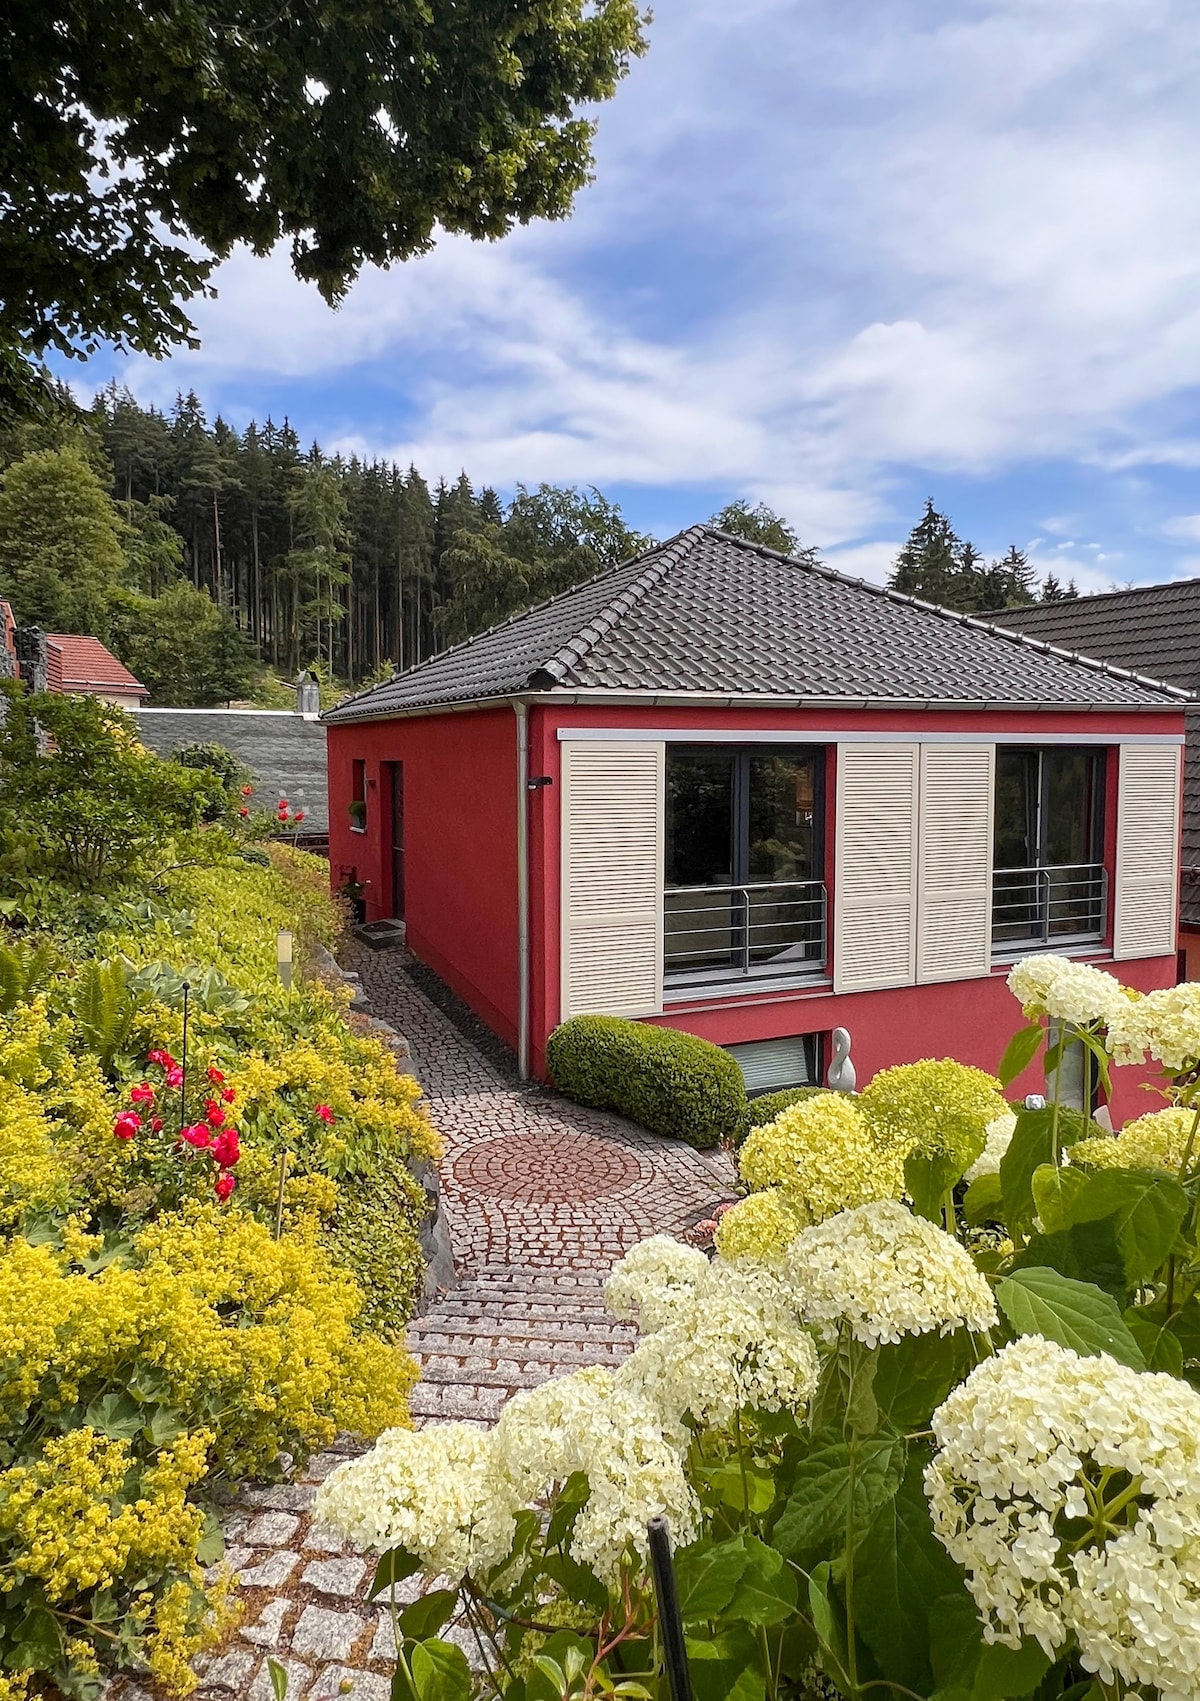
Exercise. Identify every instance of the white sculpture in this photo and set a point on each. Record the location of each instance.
(841, 1076)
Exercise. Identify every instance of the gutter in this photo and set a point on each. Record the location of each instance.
(521, 711)
(768, 700)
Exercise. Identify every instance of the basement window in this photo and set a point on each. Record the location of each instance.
(767, 1066)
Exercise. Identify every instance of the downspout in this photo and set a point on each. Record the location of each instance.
(521, 710)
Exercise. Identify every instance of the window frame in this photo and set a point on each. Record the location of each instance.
(729, 978)
(1096, 830)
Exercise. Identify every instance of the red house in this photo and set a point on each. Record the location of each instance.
(735, 793)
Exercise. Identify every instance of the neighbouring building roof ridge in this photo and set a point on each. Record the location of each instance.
(709, 614)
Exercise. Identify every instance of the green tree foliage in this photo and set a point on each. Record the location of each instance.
(61, 549)
(937, 566)
(81, 803)
(760, 524)
(550, 540)
(1053, 591)
(142, 144)
(182, 647)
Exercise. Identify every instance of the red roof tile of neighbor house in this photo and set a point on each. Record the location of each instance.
(84, 664)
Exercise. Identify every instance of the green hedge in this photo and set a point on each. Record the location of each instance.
(770, 1105)
(672, 1083)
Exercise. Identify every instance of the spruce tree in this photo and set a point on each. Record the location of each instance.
(928, 565)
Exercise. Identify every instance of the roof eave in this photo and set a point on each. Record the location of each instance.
(754, 700)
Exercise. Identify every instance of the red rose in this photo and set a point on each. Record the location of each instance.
(247, 791)
(224, 1185)
(226, 1150)
(197, 1134)
(127, 1125)
(324, 1112)
(243, 812)
(173, 1076)
(299, 815)
(162, 1058)
(214, 1113)
(143, 1094)
(216, 1077)
(283, 803)
(156, 1125)
(229, 1094)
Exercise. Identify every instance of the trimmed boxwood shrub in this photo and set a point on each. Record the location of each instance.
(767, 1107)
(672, 1083)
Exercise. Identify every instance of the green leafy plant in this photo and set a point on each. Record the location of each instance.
(904, 1451)
(670, 1082)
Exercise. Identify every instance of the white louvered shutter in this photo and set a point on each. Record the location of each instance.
(1147, 851)
(954, 894)
(612, 878)
(875, 866)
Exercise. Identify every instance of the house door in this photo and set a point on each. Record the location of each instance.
(394, 803)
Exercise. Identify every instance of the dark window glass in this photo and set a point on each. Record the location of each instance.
(1049, 844)
(699, 817)
(743, 825)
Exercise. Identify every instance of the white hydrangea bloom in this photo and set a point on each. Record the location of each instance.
(1029, 980)
(999, 1134)
(653, 1279)
(635, 1469)
(887, 1273)
(1165, 1023)
(1022, 1445)
(737, 1345)
(1083, 996)
(436, 1492)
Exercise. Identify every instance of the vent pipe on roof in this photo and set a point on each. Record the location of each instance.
(308, 695)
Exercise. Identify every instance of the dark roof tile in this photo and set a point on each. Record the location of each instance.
(712, 615)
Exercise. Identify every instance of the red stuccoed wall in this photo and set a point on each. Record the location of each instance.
(461, 878)
(460, 829)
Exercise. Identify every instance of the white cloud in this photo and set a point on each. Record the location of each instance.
(825, 245)
(1186, 526)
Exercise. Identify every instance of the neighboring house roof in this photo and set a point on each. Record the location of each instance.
(284, 751)
(84, 664)
(1156, 627)
(706, 614)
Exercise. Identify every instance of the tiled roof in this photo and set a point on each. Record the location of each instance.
(285, 752)
(84, 664)
(706, 614)
(1154, 629)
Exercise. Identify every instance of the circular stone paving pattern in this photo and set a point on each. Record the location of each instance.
(554, 1170)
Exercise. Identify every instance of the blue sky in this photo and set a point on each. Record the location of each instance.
(839, 255)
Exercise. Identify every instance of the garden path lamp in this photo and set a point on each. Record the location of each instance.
(283, 957)
(670, 1623)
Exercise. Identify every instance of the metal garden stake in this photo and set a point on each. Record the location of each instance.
(669, 1619)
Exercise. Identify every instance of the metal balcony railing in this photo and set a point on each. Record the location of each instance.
(1066, 904)
(770, 929)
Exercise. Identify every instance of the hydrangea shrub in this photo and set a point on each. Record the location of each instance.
(926, 1425)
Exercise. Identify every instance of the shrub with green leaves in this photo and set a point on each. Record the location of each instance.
(767, 1106)
(670, 1082)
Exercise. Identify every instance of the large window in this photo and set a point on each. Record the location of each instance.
(743, 863)
(1049, 884)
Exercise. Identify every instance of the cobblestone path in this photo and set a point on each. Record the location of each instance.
(542, 1197)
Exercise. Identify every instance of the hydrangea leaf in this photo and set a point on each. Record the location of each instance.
(914, 1375)
(901, 1572)
(1006, 1673)
(1020, 1052)
(981, 1203)
(707, 1576)
(726, 1667)
(1055, 1190)
(1147, 1212)
(1031, 1146)
(835, 1494)
(766, 1590)
(1160, 1348)
(394, 1566)
(427, 1614)
(1087, 1252)
(927, 1180)
(440, 1671)
(1074, 1314)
